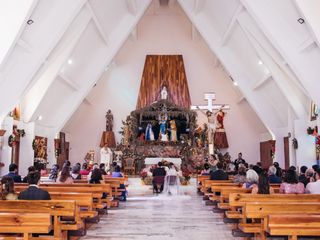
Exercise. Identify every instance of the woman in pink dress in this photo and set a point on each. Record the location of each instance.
(291, 184)
(65, 176)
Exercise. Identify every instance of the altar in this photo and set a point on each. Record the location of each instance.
(154, 160)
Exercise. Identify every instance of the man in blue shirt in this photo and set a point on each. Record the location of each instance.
(13, 172)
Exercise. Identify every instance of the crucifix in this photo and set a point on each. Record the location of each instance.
(210, 97)
(212, 125)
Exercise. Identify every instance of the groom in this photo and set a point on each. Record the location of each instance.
(158, 177)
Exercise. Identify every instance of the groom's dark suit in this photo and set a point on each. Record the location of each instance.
(158, 178)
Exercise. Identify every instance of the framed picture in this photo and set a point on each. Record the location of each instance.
(313, 111)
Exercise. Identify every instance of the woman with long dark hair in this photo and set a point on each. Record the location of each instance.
(291, 184)
(65, 176)
(7, 189)
(263, 186)
(96, 176)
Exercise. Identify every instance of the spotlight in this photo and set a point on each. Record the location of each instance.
(235, 83)
(260, 62)
(70, 61)
(40, 118)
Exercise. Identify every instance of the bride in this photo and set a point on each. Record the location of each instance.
(171, 181)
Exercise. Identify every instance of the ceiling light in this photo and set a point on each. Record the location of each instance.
(301, 20)
(260, 62)
(70, 61)
(235, 83)
(30, 21)
(40, 118)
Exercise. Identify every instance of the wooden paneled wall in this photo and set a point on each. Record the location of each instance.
(164, 70)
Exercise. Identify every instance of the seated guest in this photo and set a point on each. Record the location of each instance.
(291, 184)
(315, 167)
(314, 187)
(263, 186)
(30, 170)
(158, 175)
(65, 176)
(7, 189)
(43, 170)
(240, 177)
(310, 175)
(258, 169)
(206, 170)
(75, 174)
(252, 179)
(85, 171)
(292, 168)
(302, 177)
(219, 174)
(33, 192)
(117, 174)
(94, 166)
(279, 170)
(102, 167)
(113, 166)
(96, 176)
(54, 172)
(13, 172)
(273, 178)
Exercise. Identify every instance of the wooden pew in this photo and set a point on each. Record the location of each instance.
(294, 225)
(95, 189)
(207, 184)
(261, 211)
(200, 180)
(238, 200)
(25, 223)
(83, 200)
(56, 208)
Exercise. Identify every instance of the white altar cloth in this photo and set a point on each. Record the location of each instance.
(151, 161)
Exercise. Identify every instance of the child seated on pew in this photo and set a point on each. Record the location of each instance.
(263, 186)
(7, 189)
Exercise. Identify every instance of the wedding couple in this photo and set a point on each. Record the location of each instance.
(166, 179)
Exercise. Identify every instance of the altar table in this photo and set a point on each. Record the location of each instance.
(154, 160)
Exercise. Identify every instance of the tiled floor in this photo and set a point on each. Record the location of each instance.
(149, 217)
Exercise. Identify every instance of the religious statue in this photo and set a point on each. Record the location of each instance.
(106, 157)
(163, 129)
(109, 121)
(164, 93)
(149, 135)
(211, 131)
(173, 128)
(126, 134)
(220, 136)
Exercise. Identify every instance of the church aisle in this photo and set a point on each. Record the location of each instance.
(146, 216)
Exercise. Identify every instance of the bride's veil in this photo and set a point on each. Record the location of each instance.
(172, 183)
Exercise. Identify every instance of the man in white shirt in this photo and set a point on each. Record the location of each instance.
(314, 187)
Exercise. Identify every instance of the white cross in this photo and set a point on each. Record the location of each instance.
(210, 97)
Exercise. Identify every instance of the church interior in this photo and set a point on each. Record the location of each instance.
(199, 118)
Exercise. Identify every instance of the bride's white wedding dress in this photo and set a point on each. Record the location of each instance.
(172, 182)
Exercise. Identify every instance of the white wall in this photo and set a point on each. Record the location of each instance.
(162, 33)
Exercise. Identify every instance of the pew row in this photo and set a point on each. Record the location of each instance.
(25, 224)
(58, 209)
